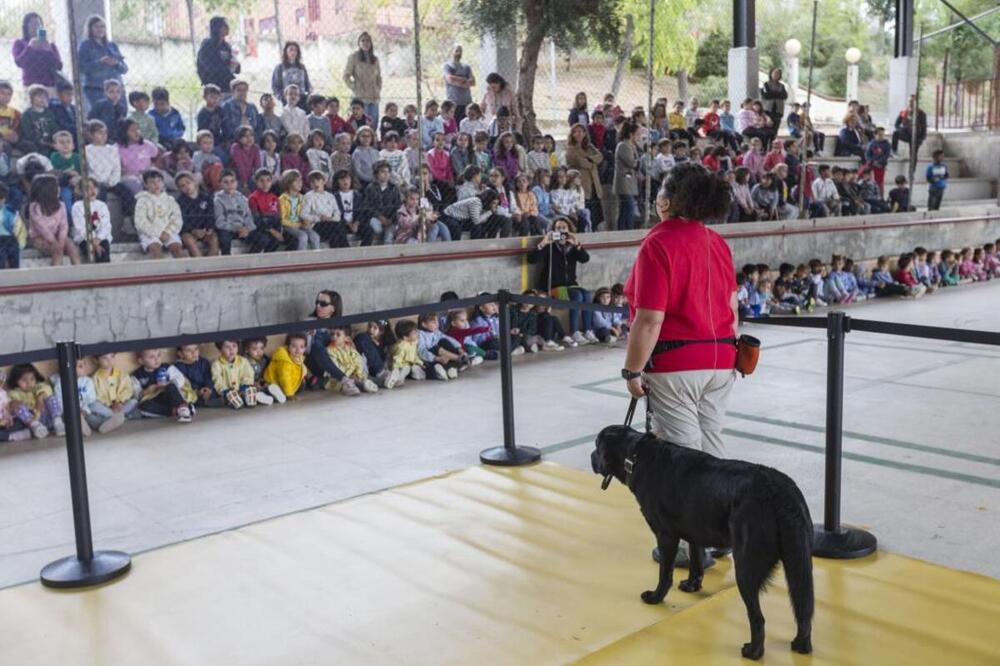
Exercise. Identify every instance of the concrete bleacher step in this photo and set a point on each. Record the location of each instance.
(900, 166)
(959, 190)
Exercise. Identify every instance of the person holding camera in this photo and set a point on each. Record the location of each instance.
(558, 253)
(36, 55)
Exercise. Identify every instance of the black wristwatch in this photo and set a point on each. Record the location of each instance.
(628, 375)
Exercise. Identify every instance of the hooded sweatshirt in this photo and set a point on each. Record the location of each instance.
(232, 212)
(285, 371)
(157, 214)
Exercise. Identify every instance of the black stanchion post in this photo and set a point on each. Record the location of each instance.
(832, 540)
(86, 567)
(509, 454)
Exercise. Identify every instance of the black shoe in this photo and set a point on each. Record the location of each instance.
(718, 553)
(682, 562)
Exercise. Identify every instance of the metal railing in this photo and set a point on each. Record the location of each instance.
(965, 105)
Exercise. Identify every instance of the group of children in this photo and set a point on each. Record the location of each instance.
(242, 376)
(801, 288)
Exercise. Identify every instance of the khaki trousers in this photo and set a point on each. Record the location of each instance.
(688, 407)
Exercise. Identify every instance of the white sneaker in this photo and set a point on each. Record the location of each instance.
(517, 351)
(85, 427)
(39, 431)
(348, 387)
(590, 337)
(114, 422)
(417, 373)
(569, 342)
(59, 427)
(476, 360)
(368, 386)
(264, 398)
(184, 414)
(393, 380)
(612, 339)
(580, 339)
(452, 373)
(552, 345)
(440, 372)
(533, 348)
(276, 393)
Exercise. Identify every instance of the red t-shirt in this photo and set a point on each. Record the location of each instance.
(685, 270)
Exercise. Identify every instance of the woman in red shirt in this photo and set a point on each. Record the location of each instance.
(682, 291)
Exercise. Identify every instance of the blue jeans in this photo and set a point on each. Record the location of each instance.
(580, 295)
(99, 412)
(438, 232)
(371, 110)
(10, 252)
(373, 355)
(626, 212)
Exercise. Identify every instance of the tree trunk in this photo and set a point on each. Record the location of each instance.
(528, 65)
(624, 54)
(682, 85)
(194, 40)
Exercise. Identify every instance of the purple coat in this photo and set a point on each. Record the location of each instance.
(38, 65)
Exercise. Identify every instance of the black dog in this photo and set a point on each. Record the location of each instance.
(755, 510)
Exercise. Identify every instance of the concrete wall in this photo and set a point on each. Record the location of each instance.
(89, 314)
(979, 151)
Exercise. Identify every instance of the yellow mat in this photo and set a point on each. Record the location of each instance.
(483, 566)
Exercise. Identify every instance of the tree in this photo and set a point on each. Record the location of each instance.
(674, 43)
(569, 23)
(712, 57)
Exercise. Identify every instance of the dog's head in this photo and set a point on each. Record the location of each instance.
(612, 447)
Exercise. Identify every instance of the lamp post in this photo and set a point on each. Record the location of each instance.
(792, 49)
(853, 57)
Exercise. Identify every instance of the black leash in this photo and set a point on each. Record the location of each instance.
(629, 416)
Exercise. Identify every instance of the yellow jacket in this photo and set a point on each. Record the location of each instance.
(405, 353)
(291, 210)
(676, 121)
(29, 398)
(349, 360)
(285, 371)
(231, 376)
(112, 386)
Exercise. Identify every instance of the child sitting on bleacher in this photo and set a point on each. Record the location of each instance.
(232, 376)
(197, 217)
(287, 368)
(233, 218)
(92, 236)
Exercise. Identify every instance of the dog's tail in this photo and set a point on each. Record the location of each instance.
(795, 538)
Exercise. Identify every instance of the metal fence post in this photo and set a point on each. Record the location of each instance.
(86, 567)
(509, 454)
(832, 540)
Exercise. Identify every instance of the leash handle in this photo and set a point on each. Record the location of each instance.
(630, 413)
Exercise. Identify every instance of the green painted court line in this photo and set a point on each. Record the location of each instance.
(568, 444)
(850, 434)
(872, 460)
(875, 439)
(925, 350)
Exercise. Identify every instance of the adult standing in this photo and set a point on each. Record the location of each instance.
(216, 63)
(585, 158)
(458, 82)
(499, 95)
(559, 252)
(291, 71)
(626, 181)
(682, 293)
(363, 75)
(36, 55)
(774, 94)
(100, 60)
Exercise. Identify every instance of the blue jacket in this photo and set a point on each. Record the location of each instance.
(493, 322)
(198, 373)
(877, 153)
(231, 117)
(427, 340)
(65, 117)
(544, 201)
(171, 126)
(937, 175)
(111, 115)
(603, 320)
(95, 72)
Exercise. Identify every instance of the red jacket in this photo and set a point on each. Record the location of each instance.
(461, 334)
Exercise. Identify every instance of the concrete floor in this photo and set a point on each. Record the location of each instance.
(921, 469)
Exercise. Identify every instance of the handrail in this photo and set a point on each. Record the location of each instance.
(727, 231)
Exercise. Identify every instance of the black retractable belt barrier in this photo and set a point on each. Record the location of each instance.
(86, 567)
(509, 455)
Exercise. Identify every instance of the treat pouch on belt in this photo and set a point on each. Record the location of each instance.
(747, 350)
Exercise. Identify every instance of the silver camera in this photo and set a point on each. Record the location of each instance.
(558, 236)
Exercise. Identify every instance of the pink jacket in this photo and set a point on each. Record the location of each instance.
(245, 161)
(50, 228)
(136, 158)
(439, 162)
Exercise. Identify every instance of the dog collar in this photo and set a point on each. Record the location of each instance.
(629, 466)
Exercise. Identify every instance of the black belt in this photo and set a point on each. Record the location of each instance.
(669, 345)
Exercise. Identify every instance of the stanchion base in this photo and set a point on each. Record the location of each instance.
(71, 572)
(501, 455)
(847, 543)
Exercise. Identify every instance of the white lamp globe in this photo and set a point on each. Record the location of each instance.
(853, 55)
(793, 47)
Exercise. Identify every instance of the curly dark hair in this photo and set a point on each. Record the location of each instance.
(695, 193)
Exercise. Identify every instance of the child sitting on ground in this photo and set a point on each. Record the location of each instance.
(198, 372)
(905, 276)
(33, 402)
(883, 283)
(162, 389)
(619, 319)
(457, 326)
(233, 377)
(254, 353)
(551, 329)
(604, 326)
(343, 354)
(85, 392)
(11, 428)
(991, 262)
(115, 398)
(441, 351)
(783, 300)
(948, 268)
(524, 322)
(969, 267)
(405, 360)
(287, 369)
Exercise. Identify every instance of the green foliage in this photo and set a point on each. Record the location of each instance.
(713, 87)
(570, 23)
(883, 10)
(674, 43)
(833, 79)
(712, 58)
